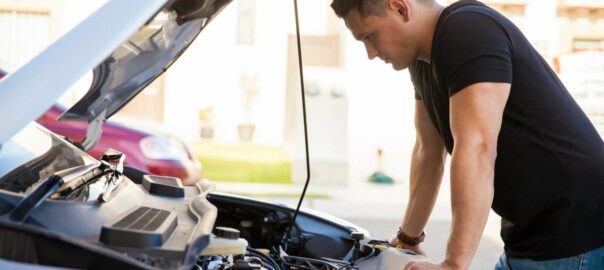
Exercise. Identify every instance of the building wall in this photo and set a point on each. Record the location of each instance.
(28, 26)
(240, 79)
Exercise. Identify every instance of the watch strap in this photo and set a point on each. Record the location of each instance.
(409, 240)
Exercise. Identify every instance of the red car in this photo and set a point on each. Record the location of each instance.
(155, 153)
(148, 151)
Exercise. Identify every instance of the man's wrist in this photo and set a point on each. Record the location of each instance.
(408, 240)
(453, 264)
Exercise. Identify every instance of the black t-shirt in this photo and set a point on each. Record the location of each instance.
(549, 171)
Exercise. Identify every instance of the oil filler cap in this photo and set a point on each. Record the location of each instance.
(225, 232)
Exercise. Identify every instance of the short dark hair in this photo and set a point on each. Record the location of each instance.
(365, 7)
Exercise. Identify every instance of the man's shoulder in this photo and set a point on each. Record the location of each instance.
(469, 10)
(472, 43)
(466, 21)
(466, 6)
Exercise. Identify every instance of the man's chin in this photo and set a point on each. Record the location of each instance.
(398, 67)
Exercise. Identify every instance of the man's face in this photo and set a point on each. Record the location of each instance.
(388, 37)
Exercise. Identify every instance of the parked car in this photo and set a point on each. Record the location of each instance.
(61, 207)
(145, 149)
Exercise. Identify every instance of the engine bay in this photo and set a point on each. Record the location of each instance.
(85, 213)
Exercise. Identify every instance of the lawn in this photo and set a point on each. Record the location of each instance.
(244, 162)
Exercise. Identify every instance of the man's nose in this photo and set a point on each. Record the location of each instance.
(372, 52)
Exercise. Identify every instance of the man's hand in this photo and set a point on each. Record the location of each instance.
(393, 241)
(427, 266)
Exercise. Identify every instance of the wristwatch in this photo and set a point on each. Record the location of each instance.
(409, 240)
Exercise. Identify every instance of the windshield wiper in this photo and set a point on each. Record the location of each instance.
(116, 161)
(64, 182)
(33, 199)
(44, 190)
(112, 165)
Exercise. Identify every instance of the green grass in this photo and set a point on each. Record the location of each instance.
(244, 163)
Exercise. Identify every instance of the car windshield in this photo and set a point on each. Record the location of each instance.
(33, 155)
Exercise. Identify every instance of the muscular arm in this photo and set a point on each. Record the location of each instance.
(427, 163)
(475, 114)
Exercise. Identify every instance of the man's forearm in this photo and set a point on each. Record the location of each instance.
(426, 174)
(472, 174)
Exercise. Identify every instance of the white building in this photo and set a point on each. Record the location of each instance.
(239, 81)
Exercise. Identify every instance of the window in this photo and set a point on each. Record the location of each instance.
(24, 34)
(246, 22)
(588, 44)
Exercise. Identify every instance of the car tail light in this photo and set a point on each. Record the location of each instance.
(154, 147)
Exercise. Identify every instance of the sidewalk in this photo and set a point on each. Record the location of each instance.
(356, 200)
(378, 208)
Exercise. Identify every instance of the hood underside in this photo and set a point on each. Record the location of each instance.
(143, 57)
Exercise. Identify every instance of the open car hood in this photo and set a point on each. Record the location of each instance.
(143, 57)
(134, 41)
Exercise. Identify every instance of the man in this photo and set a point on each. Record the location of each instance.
(518, 142)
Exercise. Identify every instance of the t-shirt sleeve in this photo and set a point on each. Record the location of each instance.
(417, 96)
(475, 48)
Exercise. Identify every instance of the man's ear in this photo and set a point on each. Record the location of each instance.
(401, 7)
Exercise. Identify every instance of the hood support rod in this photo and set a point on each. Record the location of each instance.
(301, 70)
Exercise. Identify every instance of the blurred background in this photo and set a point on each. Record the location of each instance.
(230, 109)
